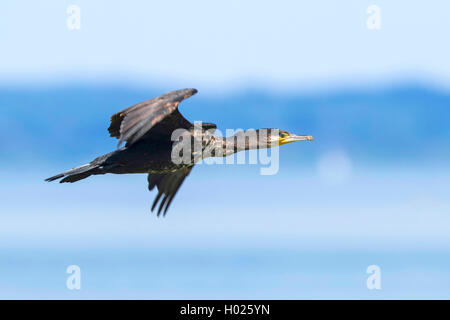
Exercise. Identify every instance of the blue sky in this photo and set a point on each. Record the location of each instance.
(223, 44)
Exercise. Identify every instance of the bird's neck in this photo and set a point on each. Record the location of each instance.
(240, 141)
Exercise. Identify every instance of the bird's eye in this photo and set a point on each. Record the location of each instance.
(282, 135)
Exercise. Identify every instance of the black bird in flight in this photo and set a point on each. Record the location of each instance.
(148, 128)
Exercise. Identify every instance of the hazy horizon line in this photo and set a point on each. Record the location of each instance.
(36, 80)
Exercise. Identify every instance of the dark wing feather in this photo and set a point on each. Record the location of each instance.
(133, 123)
(165, 127)
(168, 185)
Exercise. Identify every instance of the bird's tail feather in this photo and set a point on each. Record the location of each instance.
(75, 174)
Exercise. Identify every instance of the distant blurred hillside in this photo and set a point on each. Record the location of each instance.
(403, 125)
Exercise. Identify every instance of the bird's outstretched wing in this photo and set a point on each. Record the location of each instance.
(159, 114)
(168, 185)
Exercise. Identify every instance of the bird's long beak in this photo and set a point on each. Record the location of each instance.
(293, 138)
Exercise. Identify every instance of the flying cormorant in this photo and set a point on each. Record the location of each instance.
(149, 127)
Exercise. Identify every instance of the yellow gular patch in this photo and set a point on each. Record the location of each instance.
(282, 141)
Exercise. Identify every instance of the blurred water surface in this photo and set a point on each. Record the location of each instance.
(373, 188)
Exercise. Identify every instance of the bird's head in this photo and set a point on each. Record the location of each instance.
(276, 137)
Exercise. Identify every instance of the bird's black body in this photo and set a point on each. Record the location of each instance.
(142, 157)
(148, 128)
